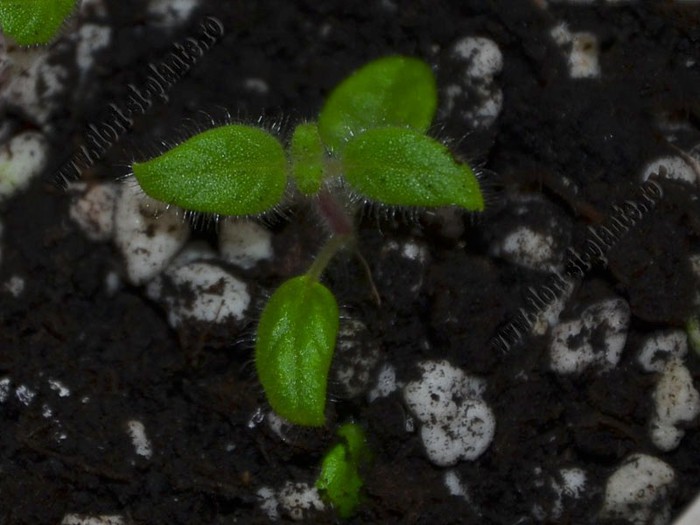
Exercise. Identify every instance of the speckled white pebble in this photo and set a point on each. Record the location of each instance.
(572, 484)
(268, 503)
(256, 85)
(633, 492)
(456, 423)
(147, 234)
(15, 285)
(386, 383)
(24, 395)
(278, 425)
(91, 38)
(675, 167)
(299, 500)
(21, 159)
(483, 55)
(477, 88)
(549, 316)
(572, 348)
(694, 260)
(58, 387)
(675, 401)
(660, 348)
(583, 51)
(244, 242)
(82, 519)
(528, 248)
(137, 432)
(205, 293)
(356, 357)
(454, 484)
(5, 387)
(171, 12)
(35, 85)
(92, 209)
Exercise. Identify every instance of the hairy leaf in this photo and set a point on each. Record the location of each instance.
(391, 91)
(229, 170)
(34, 22)
(294, 347)
(340, 479)
(400, 166)
(307, 156)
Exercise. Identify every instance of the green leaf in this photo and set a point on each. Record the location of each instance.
(229, 170)
(340, 479)
(294, 347)
(391, 91)
(400, 166)
(307, 156)
(34, 22)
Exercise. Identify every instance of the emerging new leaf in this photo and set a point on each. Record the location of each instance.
(340, 479)
(400, 166)
(307, 155)
(391, 91)
(34, 22)
(294, 347)
(229, 170)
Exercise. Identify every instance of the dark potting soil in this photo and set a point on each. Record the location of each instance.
(574, 147)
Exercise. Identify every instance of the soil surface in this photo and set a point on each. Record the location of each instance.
(561, 153)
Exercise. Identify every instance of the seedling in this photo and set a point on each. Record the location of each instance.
(370, 144)
(340, 481)
(34, 22)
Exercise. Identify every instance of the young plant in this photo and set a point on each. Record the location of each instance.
(34, 22)
(340, 481)
(370, 141)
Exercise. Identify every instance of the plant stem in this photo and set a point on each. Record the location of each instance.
(332, 246)
(334, 213)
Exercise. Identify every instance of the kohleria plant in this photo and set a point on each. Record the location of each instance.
(369, 144)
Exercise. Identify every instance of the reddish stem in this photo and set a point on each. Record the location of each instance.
(334, 214)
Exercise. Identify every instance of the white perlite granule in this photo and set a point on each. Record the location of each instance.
(635, 490)
(22, 159)
(297, 501)
(528, 248)
(456, 423)
(582, 48)
(203, 292)
(137, 432)
(171, 12)
(573, 349)
(675, 401)
(483, 56)
(91, 38)
(660, 348)
(92, 209)
(147, 233)
(81, 519)
(244, 242)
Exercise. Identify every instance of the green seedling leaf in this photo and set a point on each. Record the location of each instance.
(340, 479)
(294, 347)
(400, 166)
(34, 22)
(229, 170)
(392, 91)
(307, 158)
